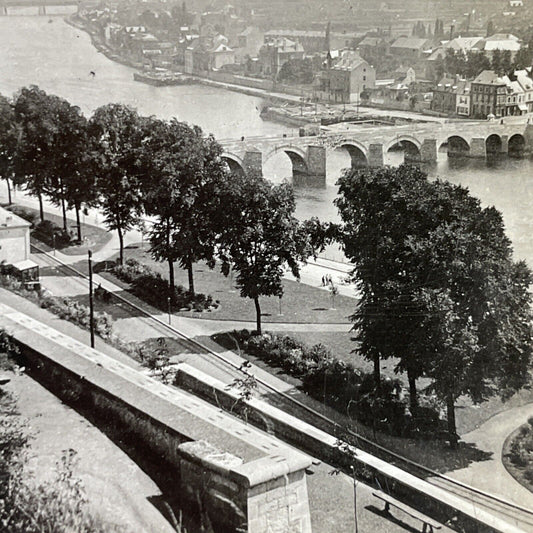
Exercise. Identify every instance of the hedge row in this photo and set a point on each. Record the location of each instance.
(64, 307)
(153, 289)
(344, 387)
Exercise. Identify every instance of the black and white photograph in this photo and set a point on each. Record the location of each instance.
(266, 267)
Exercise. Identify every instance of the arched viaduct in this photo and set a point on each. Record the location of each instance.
(368, 147)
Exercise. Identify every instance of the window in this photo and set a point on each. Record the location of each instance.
(364, 78)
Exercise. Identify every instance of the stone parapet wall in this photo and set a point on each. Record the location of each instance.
(235, 488)
(432, 500)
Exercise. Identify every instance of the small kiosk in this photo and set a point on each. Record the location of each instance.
(27, 272)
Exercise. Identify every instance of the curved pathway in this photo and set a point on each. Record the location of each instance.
(490, 475)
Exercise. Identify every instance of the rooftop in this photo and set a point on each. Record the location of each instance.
(10, 220)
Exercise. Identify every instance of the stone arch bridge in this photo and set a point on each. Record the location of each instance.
(368, 145)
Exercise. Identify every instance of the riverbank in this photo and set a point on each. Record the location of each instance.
(284, 103)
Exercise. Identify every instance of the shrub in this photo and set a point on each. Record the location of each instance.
(64, 307)
(153, 288)
(51, 234)
(342, 386)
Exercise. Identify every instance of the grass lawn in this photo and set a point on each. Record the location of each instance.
(94, 238)
(300, 304)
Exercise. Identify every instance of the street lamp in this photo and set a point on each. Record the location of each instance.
(91, 305)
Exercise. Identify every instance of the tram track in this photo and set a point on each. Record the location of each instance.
(516, 514)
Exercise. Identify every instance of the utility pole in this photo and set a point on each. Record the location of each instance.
(91, 305)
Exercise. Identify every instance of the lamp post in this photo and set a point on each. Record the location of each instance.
(169, 311)
(91, 305)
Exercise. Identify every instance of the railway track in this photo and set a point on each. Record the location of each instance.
(518, 515)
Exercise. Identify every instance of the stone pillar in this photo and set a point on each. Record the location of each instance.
(277, 495)
(3, 10)
(428, 151)
(253, 163)
(477, 147)
(42, 10)
(316, 163)
(528, 136)
(265, 494)
(505, 144)
(375, 155)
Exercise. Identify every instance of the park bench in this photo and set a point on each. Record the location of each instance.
(428, 524)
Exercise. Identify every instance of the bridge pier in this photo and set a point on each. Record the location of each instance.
(478, 148)
(428, 151)
(375, 155)
(3, 10)
(316, 168)
(253, 163)
(528, 137)
(42, 10)
(505, 144)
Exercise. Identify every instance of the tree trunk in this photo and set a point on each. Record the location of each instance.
(9, 201)
(121, 246)
(191, 278)
(257, 315)
(171, 281)
(377, 372)
(452, 430)
(63, 208)
(41, 208)
(413, 396)
(78, 223)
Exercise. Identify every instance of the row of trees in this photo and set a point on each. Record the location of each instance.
(440, 291)
(130, 166)
(472, 63)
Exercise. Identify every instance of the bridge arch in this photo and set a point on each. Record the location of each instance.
(493, 144)
(457, 146)
(234, 163)
(516, 145)
(297, 155)
(356, 150)
(410, 146)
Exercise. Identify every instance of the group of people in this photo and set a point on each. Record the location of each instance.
(326, 280)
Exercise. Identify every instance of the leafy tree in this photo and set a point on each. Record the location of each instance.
(261, 237)
(296, 71)
(497, 62)
(71, 182)
(440, 290)
(35, 144)
(490, 28)
(181, 171)
(476, 63)
(116, 133)
(8, 141)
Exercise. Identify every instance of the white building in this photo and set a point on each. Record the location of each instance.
(14, 238)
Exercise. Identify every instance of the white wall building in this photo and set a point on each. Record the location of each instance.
(14, 238)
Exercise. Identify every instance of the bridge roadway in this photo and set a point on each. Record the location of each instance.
(41, 5)
(368, 145)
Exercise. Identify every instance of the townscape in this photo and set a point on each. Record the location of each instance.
(266, 267)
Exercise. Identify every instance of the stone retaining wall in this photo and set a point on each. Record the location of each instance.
(414, 491)
(249, 490)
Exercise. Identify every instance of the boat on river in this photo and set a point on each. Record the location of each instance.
(161, 79)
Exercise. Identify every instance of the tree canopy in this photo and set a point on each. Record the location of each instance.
(116, 134)
(440, 290)
(181, 173)
(261, 237)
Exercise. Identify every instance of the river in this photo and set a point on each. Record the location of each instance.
(60, 58)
